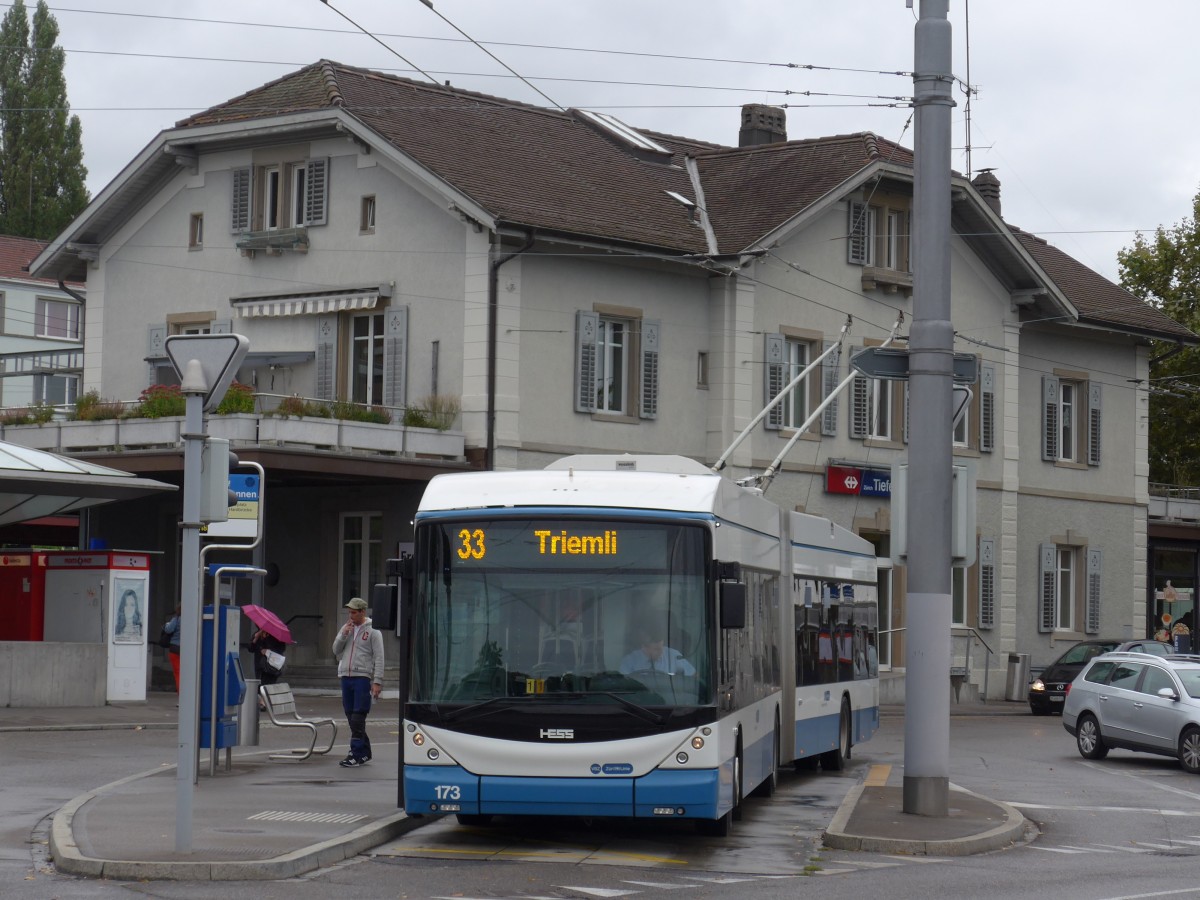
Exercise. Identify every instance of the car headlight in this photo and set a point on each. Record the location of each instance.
(1037, 685)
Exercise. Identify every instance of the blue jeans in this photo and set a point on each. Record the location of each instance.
(356, 701)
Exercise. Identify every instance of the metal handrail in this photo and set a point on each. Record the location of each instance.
(967, 631)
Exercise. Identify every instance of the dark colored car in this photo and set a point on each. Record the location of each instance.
(1048, 691)
(1149, 645)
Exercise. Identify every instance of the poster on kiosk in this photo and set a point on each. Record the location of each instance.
(103, 597)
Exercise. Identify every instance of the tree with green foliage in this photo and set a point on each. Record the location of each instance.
(1165, 270)
(42, 176)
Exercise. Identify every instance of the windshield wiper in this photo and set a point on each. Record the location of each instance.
(495, 704)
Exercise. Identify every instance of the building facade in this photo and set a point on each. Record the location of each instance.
(553, 282)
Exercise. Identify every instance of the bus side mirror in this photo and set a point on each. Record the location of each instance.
(383, 607)
(733, 604)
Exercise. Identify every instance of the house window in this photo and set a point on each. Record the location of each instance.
(299, 173)
(366, 220)
(58, 319)
(702, 369)
(880, 410)
(877, 409)
(1070, 420)
(279, 195)
(196, 231)
(616, 364)
(786, 357)
(366, 359)
(879, 233)
(962, 427)
(361, 557)
(611, 363)
(57, 390)
(958, 596)
(1070, 588)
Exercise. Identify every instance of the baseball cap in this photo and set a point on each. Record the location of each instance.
(357, 603)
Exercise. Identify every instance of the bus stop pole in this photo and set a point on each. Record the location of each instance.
(194, 389)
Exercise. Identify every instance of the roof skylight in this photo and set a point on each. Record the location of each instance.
(623, 132)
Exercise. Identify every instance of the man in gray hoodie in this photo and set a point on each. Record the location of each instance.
(359, 651)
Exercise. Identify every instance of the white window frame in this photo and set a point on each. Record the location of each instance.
(363, 384)
(880, 410)
(1068, 420)
(196, 231)
(299, 173)
(962, 431)
(958, 596)
(69, 393)
(796, 405)
(366, 222)
(71, 316)
(612, 365)
(1065, 574)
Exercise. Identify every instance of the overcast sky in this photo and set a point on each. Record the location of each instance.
(1085, 109)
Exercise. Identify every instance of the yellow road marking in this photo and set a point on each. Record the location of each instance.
(877, 776)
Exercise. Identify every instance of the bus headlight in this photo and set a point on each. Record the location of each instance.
(432, 753)
(681, 757)
(697, 743)
(418, 739)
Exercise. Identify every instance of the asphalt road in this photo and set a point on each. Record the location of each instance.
(1128, 826)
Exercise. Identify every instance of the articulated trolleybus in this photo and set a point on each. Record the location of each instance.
(629, 636)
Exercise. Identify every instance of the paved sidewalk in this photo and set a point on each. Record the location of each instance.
(267, 819)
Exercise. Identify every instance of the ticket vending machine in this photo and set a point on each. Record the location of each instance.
(22, 596)
(230, 683)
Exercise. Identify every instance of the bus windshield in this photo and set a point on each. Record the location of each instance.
(561, 609)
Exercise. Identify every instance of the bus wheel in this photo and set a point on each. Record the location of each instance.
(835, 760)
(769, 784)
(469, 819)
(736, 812)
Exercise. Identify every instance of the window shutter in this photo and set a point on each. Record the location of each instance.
(860, 406)
(326, 383)
(240, 205)
(395, 356)
(987, 583)
(1049, 418)
(316, 192)
(587, 326)
(650, 337)
(1046, 591)
(773, 378)
(1093, 430)
(1091, 614)
(156, 341)
(221, 326)
(987, 409)
(858, 232)
(829, 382)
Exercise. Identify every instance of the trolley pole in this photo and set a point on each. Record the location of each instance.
(931, 357)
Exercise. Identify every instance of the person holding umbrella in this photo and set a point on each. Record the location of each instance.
(359, 651)
(268, 644)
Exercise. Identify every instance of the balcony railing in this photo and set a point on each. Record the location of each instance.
(266, 426)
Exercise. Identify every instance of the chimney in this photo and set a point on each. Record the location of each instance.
(762, 124)
(988, 186)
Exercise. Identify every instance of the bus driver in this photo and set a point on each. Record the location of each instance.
(654, 656)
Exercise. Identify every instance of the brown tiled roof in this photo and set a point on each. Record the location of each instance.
(547, 169)
(753, 190)
(1097, 299)
(15, 255)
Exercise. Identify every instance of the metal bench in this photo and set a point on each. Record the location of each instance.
(280, 704)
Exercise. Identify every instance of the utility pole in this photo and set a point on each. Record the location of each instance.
(931, 357)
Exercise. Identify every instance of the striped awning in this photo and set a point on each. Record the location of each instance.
(308, 303)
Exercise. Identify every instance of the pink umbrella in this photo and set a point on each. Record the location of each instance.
(268, 622)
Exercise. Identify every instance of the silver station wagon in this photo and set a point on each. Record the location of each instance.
(1135, 701)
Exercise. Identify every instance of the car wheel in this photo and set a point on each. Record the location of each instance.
(1088, 738)
(1189, 749)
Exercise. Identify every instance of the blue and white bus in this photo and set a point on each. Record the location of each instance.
(629, 636)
